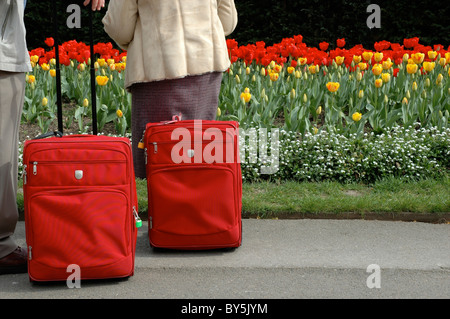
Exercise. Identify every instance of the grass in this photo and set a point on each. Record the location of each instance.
(388, 196)
(331, 199)
(391, 198)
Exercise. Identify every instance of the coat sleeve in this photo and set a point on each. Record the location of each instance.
(120, 21)
(228, 15)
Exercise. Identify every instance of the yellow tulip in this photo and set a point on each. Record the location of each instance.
(290, 69)
(31, 79)
(333, 86)
(119, 113)
(34, 58)
(319, 110)
(292, 94)
(274, 76)
(102, 80)
(387, 64)
(219, 112)
(85, 102)
(302, 61)
(101, 62)
(356, 116)
(339, 60)
(414, 86)
(385, 77)
(359, 76)
(405, 57)
(44, 101)
(377, 69)
(411, 68)
(405, 100)
(263, 72)
(357, 58)
(428, 66)
(362, 66)
(52, 73)
(432, 54)
(45, 66)
(378, 83)
(439, 78)
(246, 96)
(361, 94)
(418, 57)
(378, 56)
(367, 55)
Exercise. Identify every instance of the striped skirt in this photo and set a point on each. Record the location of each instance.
(194, 97)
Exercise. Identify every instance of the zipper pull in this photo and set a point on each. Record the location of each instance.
(145, 155)
(137, 218)
(30, 256)
(24, 174)
(150, 221)
(35, 168)
(155, 147)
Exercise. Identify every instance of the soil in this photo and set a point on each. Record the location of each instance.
(31, 130)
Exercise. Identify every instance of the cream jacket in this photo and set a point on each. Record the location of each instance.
(14, 55)
(169, 39)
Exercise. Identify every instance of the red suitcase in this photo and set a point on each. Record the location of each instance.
(80, 201)
(80, 207)
(194, 184)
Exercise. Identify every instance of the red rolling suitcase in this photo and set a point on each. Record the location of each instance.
(194, 184)
(80, 204)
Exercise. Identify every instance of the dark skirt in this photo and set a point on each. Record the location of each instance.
(194, 97)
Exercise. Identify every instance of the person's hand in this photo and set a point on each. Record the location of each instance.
(96, 4)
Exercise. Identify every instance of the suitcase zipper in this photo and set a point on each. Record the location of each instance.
(24, 174)
(35, 168)
(30, 255)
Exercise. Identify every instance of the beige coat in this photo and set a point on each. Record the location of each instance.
(172, 38)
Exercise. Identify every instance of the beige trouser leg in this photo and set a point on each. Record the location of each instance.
(12, 91)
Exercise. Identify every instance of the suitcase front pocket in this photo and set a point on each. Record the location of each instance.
(83, 173)
(86, 228)
(193, 200)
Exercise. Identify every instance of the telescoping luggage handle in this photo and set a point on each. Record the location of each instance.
(58, 77)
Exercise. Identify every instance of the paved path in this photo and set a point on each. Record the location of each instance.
(288, 259)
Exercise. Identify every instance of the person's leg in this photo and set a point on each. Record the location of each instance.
(12, 91)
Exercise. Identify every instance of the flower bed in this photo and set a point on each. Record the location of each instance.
(343, 114)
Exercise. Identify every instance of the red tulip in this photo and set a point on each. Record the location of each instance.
(50, 42)
(340, 42)
(323, 46)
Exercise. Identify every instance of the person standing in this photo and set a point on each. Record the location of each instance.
(176, 54)
(14, 63)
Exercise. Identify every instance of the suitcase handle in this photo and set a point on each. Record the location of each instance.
(50, 134)
(58, 72)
